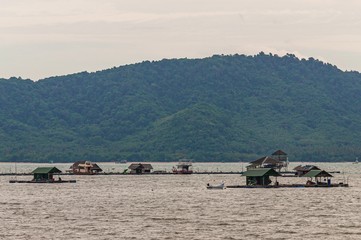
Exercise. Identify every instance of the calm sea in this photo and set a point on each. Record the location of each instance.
(177, 206)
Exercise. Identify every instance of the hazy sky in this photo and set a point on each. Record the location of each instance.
(42, 38)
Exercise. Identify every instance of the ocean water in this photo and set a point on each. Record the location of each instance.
(177, 206)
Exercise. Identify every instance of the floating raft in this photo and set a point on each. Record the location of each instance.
(289, 186)
(58, 181)
(126, 174)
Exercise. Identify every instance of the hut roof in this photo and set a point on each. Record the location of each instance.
(279, 152)
(317, 173)
(306, 168)
(45, 170)
(260, 172)
(265, 160)
(184, 164)
(134, 166)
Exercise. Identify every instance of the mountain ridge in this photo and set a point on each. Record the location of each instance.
(220, 108)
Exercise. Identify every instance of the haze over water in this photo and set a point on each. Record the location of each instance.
(177, 206)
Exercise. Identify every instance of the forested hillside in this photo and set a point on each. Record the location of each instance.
(222, 108)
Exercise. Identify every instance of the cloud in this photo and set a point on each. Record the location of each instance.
(120, 32)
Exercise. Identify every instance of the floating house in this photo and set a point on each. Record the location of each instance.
(140, 168)
(321, 178)
(260, 176)
(266, 162)
(44, 175)
(302, 170)
(183, 167)
(85, 168)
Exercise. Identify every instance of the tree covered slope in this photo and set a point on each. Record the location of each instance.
(222, 108)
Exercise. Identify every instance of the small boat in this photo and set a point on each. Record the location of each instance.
(219, 186)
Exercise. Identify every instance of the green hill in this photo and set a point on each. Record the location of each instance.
(222, 108)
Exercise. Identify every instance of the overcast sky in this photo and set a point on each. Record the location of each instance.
(43, 38)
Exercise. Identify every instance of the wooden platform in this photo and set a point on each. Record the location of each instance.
(121, 173)
(61, 181)
(289, 186)
(284, 174)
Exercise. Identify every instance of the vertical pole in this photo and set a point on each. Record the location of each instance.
(16, 171)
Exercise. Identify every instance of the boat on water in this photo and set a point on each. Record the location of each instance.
(219, 186)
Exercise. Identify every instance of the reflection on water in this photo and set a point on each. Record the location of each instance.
(177, 206)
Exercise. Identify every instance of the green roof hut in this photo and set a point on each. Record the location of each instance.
(260, 176)
(45, 174)
(318, 175)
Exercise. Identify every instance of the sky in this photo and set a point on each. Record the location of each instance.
(43, 38)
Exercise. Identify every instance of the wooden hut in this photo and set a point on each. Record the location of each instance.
(265, 162)
(140, 168)
(321, 177)
(302, 170)
(280, 155)
(183, 167)
(85, 167)
(260, 176)
(45, 174)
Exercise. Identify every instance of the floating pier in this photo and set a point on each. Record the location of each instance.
(122, 173)
(284, 174)
(289, 186)
(57, 181)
